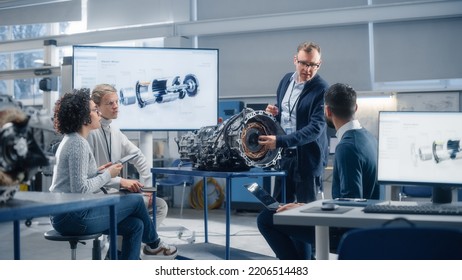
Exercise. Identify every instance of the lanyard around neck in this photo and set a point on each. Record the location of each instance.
(296, 100)
(108, 144)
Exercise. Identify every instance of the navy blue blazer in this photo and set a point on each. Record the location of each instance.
(310, 135)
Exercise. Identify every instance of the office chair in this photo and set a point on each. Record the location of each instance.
(415, 193)
(74, 240)
(177, 180)
(421, 193)
(401, 243)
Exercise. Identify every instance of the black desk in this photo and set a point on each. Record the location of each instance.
(189, 171)
(28, 205)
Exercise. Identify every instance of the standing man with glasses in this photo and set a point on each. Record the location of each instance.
(299, 110)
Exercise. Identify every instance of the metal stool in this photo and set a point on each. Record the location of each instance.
(73, 240)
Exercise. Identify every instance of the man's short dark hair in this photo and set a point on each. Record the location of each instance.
(341, 99)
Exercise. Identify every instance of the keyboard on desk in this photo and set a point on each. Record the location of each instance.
(418, 209)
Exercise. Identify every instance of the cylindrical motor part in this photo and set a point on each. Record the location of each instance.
(141, 89)
(257, 123)
(168, 97)
(454, 146)
(249, 138)
(191, 85)
(425, 153)
(165, 90)
(446, 150)
(127, 96)
(159, 86)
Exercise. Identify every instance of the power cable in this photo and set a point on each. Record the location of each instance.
(196, 196)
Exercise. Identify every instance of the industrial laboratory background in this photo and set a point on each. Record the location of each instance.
(399, 55)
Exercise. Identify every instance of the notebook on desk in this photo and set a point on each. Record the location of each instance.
(263, 196)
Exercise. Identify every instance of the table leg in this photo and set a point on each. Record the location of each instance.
(206, 209)
(283, 187)
(17, 242)
(322, 242)
(153, 200)
(228, 216)
(154, 208)
(113, 232)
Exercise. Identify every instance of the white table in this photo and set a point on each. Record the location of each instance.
(354, 218)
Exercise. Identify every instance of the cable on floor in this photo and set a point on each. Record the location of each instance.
(196, 197)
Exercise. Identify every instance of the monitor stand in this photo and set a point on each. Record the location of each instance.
(442, 195)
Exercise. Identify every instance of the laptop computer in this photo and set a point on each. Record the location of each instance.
(263, 196)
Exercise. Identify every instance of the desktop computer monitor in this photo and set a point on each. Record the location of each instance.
(421, 149)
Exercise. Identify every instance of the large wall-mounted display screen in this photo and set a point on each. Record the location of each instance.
(159, 88)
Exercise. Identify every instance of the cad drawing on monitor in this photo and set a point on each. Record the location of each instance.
(421, 148)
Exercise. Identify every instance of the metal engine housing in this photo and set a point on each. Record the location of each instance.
(233, 144)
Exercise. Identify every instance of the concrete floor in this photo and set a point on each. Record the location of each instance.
(187, 232)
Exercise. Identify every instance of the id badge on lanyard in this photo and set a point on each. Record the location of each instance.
(287, 123)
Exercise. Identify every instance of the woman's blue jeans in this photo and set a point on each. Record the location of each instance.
(133, 223)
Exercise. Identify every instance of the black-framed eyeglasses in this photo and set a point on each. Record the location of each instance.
(308, 65)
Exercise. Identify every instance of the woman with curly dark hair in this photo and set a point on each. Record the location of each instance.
(75, 115)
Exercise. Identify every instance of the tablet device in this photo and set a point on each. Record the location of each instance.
(126, 158)
(263, 196)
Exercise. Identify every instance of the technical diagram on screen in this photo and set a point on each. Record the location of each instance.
(159, 90)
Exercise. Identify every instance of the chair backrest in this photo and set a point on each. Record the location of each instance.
(173, 180)
(401, 243)
(178, 162)
(419, 191)
(423, 192)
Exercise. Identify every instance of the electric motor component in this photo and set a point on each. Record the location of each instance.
(20, 153)
(233, 144)
(446, 150)
(127, 96)
(441, 150)
(161, 90)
